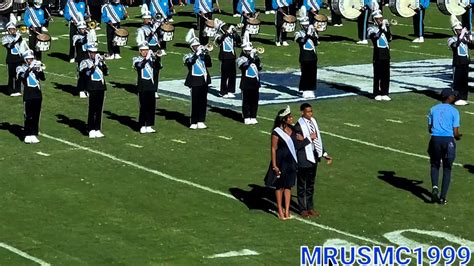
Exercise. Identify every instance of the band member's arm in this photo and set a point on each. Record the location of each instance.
(257, 62)
(207, 60)
(190, 59)
(220, 38)
(40, 75)
(237, 39)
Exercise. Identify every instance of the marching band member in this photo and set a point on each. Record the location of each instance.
(34, 18)
(94, 69)
(198, 79)
(112, 14)
(282, 7)
(313, 7)
(148, 33)
(80, 41)
(15, 46)
(250, 65)
(336, 19)
(246, 9)
(203, 10)
(160, 10)
(418, 20)
(380, 35)
(30, 73)
(227, 39)
(73, 12)
(146, 64)
(307, 38)
(459, 44)
(363, 20)
(94, 9)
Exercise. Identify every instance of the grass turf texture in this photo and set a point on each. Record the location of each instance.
(75, 207)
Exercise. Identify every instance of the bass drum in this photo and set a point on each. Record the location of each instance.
(452, 7)
(403, 8)
(349, 9)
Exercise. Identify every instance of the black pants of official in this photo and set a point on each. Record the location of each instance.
(228, 75)
(96, 105)
(418, 23)
(198, 104)
(250, 98)
(32, 40)
(32, 116)
(335, 18)
(460, 81)
(72, 32)
(442, 149)
(201, 24)
(309, 74)
(305, 187)
(467, 19)
(362, 22)
(111, 48)
(14, 84)
(381, 77)
(147, 102)
(280, 36)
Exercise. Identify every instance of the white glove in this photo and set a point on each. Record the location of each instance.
(200, 50)
(97, 59)
(148, 55)
(253, 52)
(463, 33)
(231, 29)
(310, 29)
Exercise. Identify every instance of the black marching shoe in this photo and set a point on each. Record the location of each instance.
(434, 195)
(443, 201)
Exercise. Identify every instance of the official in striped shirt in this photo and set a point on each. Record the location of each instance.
(308, 159)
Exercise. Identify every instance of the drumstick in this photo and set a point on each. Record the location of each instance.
(218, 6)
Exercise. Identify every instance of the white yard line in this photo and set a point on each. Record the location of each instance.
(43, 154)
(179, 141)
(134, 145)
(224, 137)
(394, 121)
(469, 113)
(195, 185)
(351, 125)
(23, 254)
(243, 252)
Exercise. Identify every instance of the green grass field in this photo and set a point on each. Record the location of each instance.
(180, 196)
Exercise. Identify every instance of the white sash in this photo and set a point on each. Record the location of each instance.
(309, 149)
(111, 12)
(157, 7)
(203, 6)
(34, 19)
(246, 6)
(288, 141)
(73, 11)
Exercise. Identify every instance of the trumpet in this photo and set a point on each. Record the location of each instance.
(38, 65)
(23, 29)
(394, 21)
(91, 24)
(209, 47)
(260, 50)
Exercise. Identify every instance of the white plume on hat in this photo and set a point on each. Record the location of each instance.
(246, 44)
(375, 5)
(218, 24)
(455, 23)
(377, 14)
(91, 36)
(12, 23)
(81, 24)
(191, 38)
(145, 11)
(92, 47)
(143, 46)
(28, 54)
(303, 16)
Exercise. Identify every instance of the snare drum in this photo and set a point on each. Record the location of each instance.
(209, 30)
(403, 8)
(289, 23)
(168, 31)
(253, 26)
(349, 9)
(452, 7)
(43, 42)
(321, 22)
(121, 37)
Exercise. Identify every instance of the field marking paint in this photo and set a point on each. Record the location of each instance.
(123, 68)
(397, 238)
(43, 154)
(394, 121)
(243, 252)
(134, 145)
(224, 137)
(23, 254)
(368, 144)
(351, 125)
(195, 185)
(469, 113)
(179, 141)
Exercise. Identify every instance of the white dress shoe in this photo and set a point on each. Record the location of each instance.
(378, 98)
(34, 139)
(117, 56)
(92, 134)
(386, 98)
(461, 103)
(419, 40)
(27, 139)
(16, 94)
(99, 134)
(363, 42)
(285, 43)
(308, 95)
(82, 94)
(201, 125)
(254, 121)
(143, 130)
(247, 121)
(44, 29)
(193, 126)
(230, 95)
(150, 130)
(157, 96)
(71, 60)
(278, 44)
